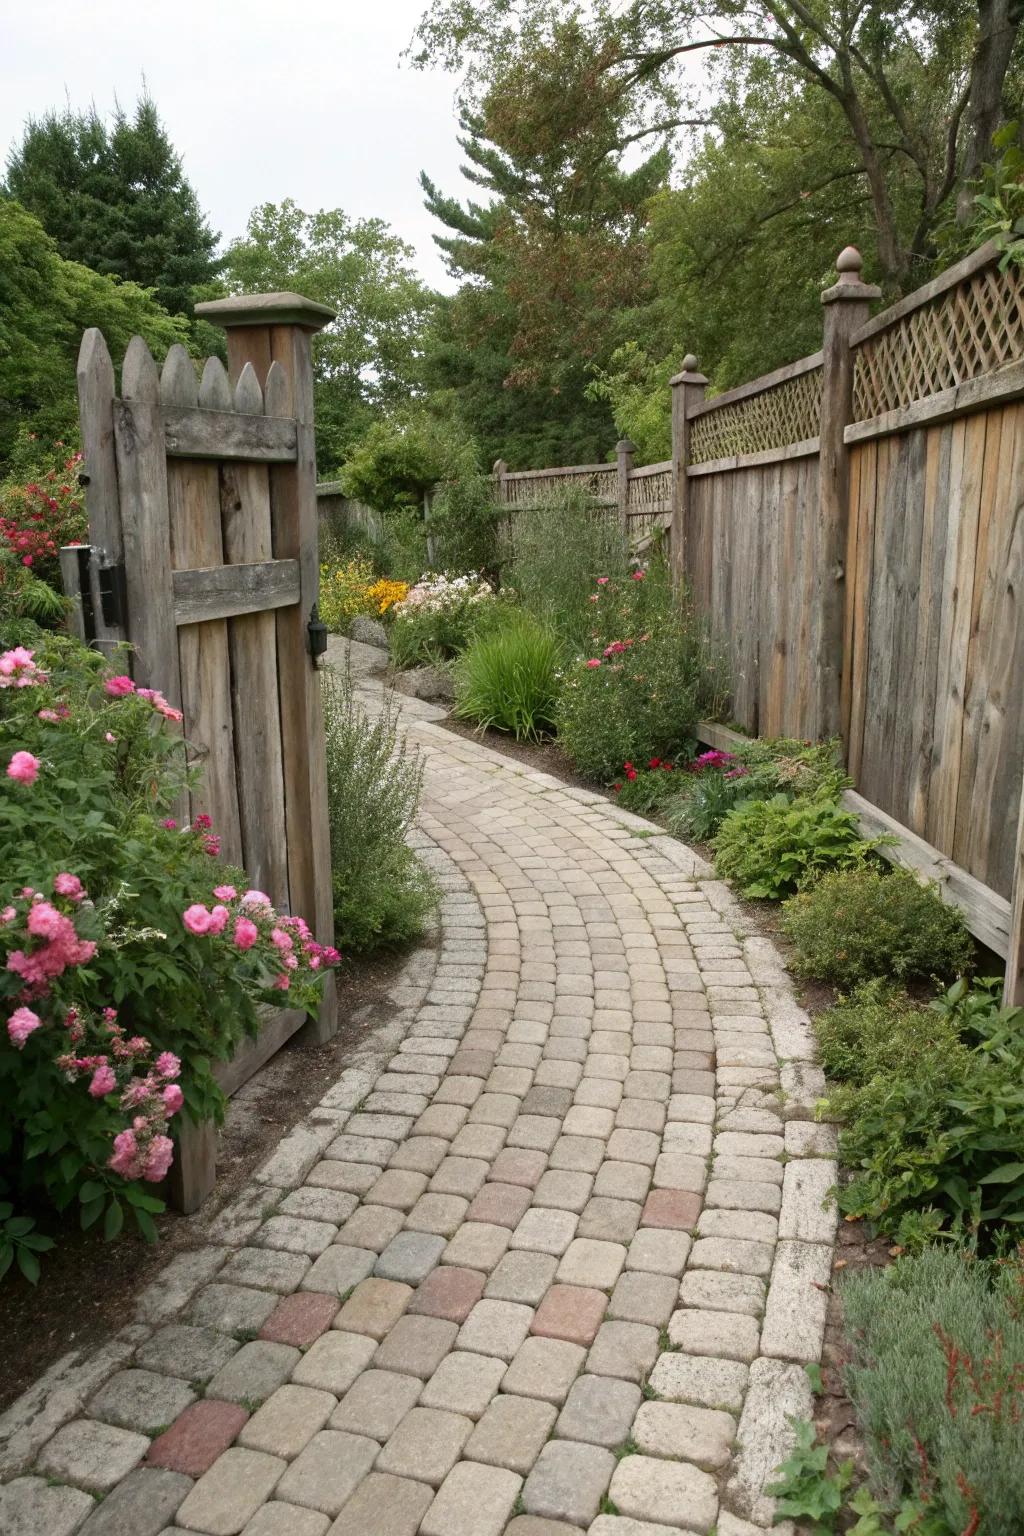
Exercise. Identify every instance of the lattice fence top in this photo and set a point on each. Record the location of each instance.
(969, 330)
(650, 496)
(784, 413)
(524, 490)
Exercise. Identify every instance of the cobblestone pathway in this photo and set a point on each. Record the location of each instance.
(549, 1256)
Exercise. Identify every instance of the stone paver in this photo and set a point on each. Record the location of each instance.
(440, 1306)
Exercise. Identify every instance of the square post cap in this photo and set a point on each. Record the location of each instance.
(850, 286)
(266, 309)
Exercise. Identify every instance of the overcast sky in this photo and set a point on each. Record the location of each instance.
(264, 99)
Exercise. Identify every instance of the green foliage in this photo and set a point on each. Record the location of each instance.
(508, 678)
(464, 522)
(771, 848)
(935, 1377)
(367, 360)
(559, 547)
(876, 922)
(637, 389)
(24, 596)
(878, 1030)
(803, 1485)
(997, 205)
(19, 1241)
(757, 770)
(934, 1140)
(115, 199)
(383, 894)
(92, 815)
(649, 676)
(400, 458)
(646, 790)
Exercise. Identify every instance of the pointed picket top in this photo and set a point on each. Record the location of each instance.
(139, 377)
(214, 388)
(277, 392)
(178, 382)
(94, 364)
(248, 395)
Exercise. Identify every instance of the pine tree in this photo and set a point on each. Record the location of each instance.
(115, 198)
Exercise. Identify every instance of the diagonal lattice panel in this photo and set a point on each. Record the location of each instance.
(785, 413)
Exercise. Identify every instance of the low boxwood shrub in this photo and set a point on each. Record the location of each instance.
(937, 1347)
(508, 678)
(875, 921)
(130, 960)
(383, 894)
(879, 1029)
(771, 848)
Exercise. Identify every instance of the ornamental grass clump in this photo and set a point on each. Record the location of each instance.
(130, 960)
(647, 676)
(937, 1380)
(383, 894)
(875, 921)
(507, 679)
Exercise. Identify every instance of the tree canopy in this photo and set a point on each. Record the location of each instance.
(114, 197)
(369, 359)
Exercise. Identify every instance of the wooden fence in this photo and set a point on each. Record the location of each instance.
(641, 498)
(203, 555)
(852, 527)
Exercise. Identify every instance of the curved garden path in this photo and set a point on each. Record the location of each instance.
(548, 1257)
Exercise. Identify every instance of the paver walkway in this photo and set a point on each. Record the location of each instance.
(548, 1258)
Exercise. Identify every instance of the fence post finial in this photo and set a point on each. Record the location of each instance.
(689, 363)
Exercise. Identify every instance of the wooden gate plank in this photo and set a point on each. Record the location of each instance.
(223, 591)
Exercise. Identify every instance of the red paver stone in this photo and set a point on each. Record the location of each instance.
(572, 1312)
(502, 1204)
(675, 1208)
(450, 1292)
(300, 1319)
(197, 1437)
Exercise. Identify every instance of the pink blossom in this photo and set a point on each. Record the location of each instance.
(170, 823)
(280, 939)
(23, 767)
(225, 892)
(158, 1159)
(602, 581)
(49, 715)
(103, 1081)
(595, 661)
(246, 933)
(173, 1099)
(283, 982)
(22, 1023)
(292, 962)
(211, 844)
(8, 915)
(256, 899)
(119, 687)
(69, 886)
(45, 922)
(639, 575)
(196, 918)
(218, 919)
(109, 736)
(126, 1159)
(330, 955)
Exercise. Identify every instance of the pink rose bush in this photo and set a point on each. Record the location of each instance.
(131, 959)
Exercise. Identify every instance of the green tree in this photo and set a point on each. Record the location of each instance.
(45, 305)
(369, 359)
(115, 198)
(555, 260)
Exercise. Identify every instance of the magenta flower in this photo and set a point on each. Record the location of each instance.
(595, 661)
(225, 892)
(119, 687)
(69, 886)
(23, 767)
(196, 918)
(103, 1081)
(246, 933)
(22, 1023)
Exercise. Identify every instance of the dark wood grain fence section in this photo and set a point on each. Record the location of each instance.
(203, 557)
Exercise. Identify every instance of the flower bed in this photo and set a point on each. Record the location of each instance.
(129, 960)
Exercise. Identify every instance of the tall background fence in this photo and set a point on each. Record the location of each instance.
(852, 528)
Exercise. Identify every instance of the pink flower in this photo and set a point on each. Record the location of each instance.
(639, 575)
(8, 915)
(218, 919)
(595, 661)
(50, 715)
(126, 1159)
(256, 899)
(225, 892)
(23, 767)
(170, 823)
(159, 1158)
(283, 982)
(602, 581)
(246, 933)
(109, 736)
(45, 922)
(211, 844)
(118, 687)
(69, 886)
(280, 939)
(196, 918)
(330, 955)
(167, 1064)
(173, 1099)
(202, 822)
(22, 1023)
(103, 1081)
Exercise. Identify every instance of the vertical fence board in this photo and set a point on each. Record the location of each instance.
(938, 442)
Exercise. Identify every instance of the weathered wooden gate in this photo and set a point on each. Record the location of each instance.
(203, 555)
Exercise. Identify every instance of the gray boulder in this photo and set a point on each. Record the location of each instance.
(426, 683)
(369, 631)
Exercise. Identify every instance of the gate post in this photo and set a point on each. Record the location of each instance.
(688, 389)
(846, 306)
(624, 451)
(264, 328)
